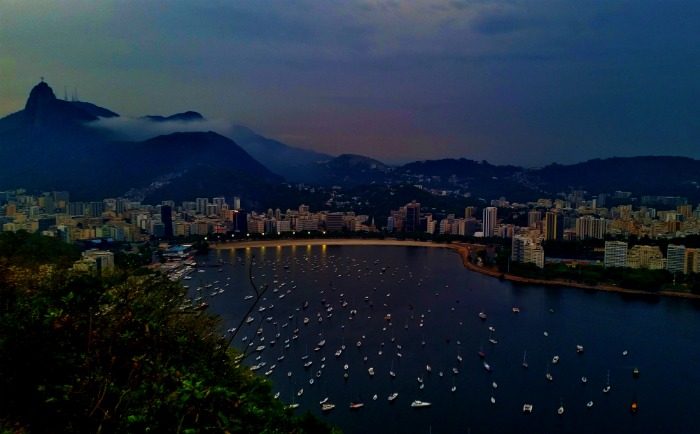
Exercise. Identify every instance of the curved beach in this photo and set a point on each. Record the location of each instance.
(461, 248)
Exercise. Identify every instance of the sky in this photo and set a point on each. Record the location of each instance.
(526, 83)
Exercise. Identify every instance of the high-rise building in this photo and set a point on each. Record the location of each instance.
(692, 261)
(591, 227)
(334, 222)
(675, 258)
(236, 202)
(202, 203)
(166, 217)
(553, 226)
(525, 249)
(412, 217)
(533, 217)
(488, 222)
(615, 254)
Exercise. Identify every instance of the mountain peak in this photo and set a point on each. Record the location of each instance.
(40, 97)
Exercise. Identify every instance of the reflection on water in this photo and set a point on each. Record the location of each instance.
(433, 303)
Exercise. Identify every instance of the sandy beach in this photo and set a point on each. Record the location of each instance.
(460, 248)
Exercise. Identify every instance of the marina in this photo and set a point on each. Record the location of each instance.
(384, 299)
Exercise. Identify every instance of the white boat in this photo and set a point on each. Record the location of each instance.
(487, 366)
(370, 371)
(524, 364)
(584, 380)
(589, 404)
(555, 360)
(323, 401)
(482, 315)
(548, 375)
(527, 408)
(393, 396)
(327, 407)
(493, 400)
(356, 405)
(579, 349)
(606, 389)
(494, 384)
(419, 404)
(300, 392)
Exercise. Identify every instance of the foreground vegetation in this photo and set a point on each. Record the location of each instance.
(126, 352)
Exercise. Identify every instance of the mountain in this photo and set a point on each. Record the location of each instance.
(347, 170)
(187, 116)
(48, 146)
(285, 160)
(642, 176)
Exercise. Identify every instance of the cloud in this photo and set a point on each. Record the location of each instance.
(138, 129)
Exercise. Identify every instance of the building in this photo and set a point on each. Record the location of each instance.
(615, 254)
(412, 217)
(525, 249)
(675, 259)
(649, 257)
(553, 226)
(334, 222)
(166, 217)
(591, 227)
(692, 261)
(488, 222)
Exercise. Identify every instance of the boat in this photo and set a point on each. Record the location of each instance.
(393, 396)
(370, 371)
(584, 380)
(548, 375)
(633, 406)
(493, 400)
(606, 389)
(516, 310)
(579, 349)
(560, 410)
(527, 408)
(323, 401)
(635, 372)
(455, 371)
(300, 392)
(481, 353)
(555, 360)
(391, 371)
(493, 341)
(356, 405)
(524, 364)
(589, 404)
(454, 388)
(482, 315)
(327, 406)
(419, 404)
(487, 366)
(494, 385)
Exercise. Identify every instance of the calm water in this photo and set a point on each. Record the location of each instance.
(432, 298)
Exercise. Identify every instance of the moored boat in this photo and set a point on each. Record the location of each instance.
(419, 404)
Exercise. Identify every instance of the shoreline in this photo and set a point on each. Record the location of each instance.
(461, 248)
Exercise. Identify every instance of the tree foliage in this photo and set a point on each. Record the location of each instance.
(122, 353)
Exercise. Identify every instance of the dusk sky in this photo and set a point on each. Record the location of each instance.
(511, 82)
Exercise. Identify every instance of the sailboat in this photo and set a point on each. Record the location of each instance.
(560, 410)
(454, 388)
(391, 371)
(606, 389)
(525, 360)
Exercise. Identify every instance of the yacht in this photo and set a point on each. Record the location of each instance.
(393, 396)
(418, 404)
(527, 408)
(327, 406)
(555, 360)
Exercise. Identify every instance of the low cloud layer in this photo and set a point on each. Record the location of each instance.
(138, 129)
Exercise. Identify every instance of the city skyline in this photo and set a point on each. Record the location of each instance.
(510, 83)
